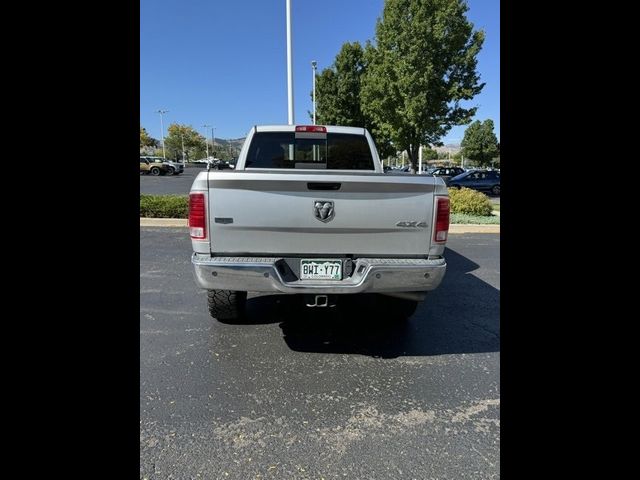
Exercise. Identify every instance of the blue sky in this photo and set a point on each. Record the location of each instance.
(223, 63)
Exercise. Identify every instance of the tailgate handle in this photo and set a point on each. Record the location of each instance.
(323, 186)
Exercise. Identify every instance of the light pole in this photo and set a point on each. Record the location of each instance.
(213, 141)
(205, 139)
(314, 64)
(161, 112)
(289, 65)
(182, 137)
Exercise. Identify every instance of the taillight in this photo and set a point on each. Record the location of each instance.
(442, 219)
(311, 128)
(197, 216)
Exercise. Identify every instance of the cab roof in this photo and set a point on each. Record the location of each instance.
(292, 128)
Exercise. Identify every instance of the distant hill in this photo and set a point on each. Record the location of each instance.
(234, 142)
(450, 147)
(224, 144)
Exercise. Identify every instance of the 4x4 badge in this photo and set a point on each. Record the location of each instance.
(323, 210)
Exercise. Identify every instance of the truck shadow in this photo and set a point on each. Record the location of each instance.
(460, 316)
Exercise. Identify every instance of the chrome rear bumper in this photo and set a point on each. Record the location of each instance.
(370, 275)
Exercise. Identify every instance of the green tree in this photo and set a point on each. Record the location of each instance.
(146, 140)
(338, 99)
(222, 151)
(480, 143)
(422, 66)
(194, 143)
(338, 89)
(429, 154)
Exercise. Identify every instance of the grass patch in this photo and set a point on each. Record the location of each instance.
(164, 206)
(464, 218)
(496, 206)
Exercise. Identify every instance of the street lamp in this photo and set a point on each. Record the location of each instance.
(161, 112)
(205, 139)
(314, 64)
(213, 141)
(182, 137)
(289, 66)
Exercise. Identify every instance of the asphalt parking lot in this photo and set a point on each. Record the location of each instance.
(170, 184)
(319, 393)
(181, 184)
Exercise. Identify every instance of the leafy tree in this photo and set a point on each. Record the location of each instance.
(422, 66)
(429, 154)
(338, 99)
(480, 143)
(222, 152)
(146, 140)
(338, 89)
(194, 143)
(446, 155)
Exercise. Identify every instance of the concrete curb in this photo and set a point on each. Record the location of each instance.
(473, 228)
(453, 229)
(163, 222)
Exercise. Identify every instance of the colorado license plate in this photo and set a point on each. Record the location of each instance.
(320, 269)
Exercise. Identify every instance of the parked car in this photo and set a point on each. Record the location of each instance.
(447, 173)
(486, 181)
(177, 167)
(152, 168)
(219, 165)
(170, 167)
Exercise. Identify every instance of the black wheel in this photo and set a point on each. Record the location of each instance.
(495, 189)
(226, 304)
(155, 171)
(171, 171)
(398, 308)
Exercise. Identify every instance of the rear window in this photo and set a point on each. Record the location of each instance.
(333, 151)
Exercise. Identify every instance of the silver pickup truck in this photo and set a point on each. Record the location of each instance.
(308, 210)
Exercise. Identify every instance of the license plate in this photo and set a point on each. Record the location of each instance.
(320, 269)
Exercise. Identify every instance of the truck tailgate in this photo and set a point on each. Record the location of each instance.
(320, 213)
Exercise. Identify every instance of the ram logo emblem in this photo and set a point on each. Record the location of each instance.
(323, 210)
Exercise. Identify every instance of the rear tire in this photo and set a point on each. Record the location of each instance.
(495, 190)
(155, 171)
(171, 171)
(226, 304)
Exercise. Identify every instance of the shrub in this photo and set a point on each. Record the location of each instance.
(470, 202)
(164, 206)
